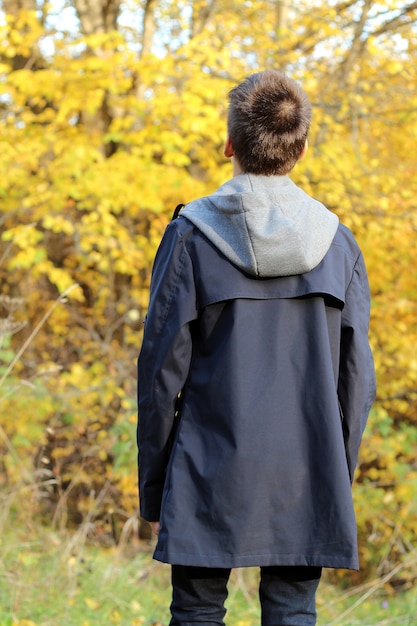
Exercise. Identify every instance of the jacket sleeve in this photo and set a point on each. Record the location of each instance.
(356, 388)
(163, 365)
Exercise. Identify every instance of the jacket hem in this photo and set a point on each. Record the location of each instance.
(232, 561)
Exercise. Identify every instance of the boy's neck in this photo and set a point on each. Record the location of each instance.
(237, 170)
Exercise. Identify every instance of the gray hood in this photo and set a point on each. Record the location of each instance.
(265, 225)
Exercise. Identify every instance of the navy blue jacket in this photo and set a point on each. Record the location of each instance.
(253, 396)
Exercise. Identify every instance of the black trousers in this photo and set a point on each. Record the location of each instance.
(287, 595)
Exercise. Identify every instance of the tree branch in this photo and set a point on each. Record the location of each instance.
(397, 22)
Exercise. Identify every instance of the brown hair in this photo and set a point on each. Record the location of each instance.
(268, 121)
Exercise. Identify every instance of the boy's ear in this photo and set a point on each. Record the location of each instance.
(228, 148)
(303, 151)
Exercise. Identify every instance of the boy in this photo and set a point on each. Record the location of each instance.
(255, 376)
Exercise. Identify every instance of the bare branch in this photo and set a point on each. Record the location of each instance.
(200, 16)
(397, 22)
(358, 43)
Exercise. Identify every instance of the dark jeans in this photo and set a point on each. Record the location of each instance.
(287, 595)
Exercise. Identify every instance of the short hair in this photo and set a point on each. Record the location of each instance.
(268, 121)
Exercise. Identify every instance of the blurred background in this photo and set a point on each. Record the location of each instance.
(111, 113)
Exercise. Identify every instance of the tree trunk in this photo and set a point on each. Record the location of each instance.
(282, 16)
(97, 16)
(148, 26)
(12, 7)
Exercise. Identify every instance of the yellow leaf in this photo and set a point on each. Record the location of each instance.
(92, 603)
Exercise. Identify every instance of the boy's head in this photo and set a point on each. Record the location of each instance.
(268, 122)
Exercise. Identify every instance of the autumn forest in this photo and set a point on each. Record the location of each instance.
(112, 112)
